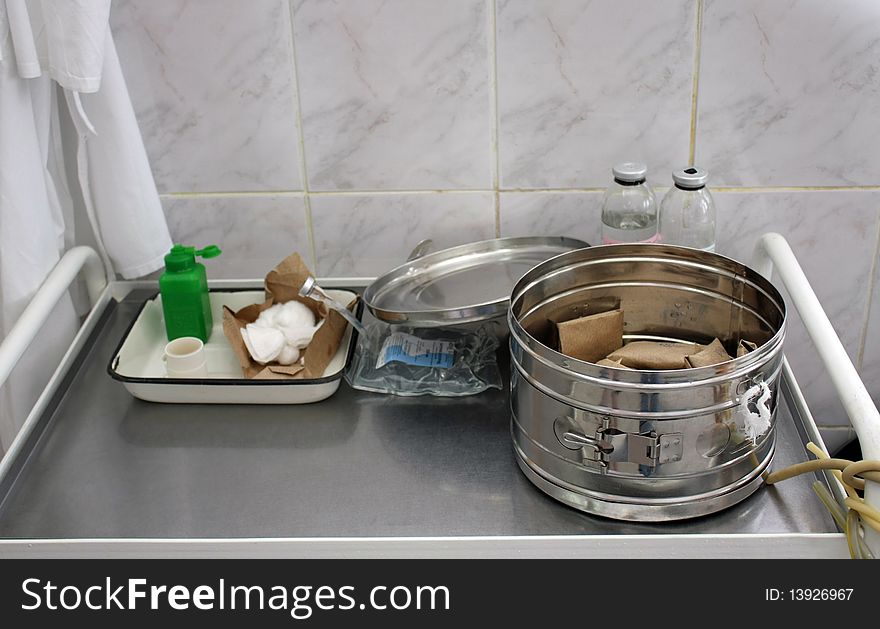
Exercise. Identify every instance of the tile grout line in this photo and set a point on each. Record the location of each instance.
(497, 207)
(320, 193)
(232, 193)
(493, 106)
(332, 193)
(552, 190)
(873, 278)
(750, 189)
(836, 428)
(301, 146)
(698, 42)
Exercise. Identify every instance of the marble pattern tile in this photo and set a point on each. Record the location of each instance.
(789, 92)
(833, 234)
(583, 85)
(870, 367)
(254, 232)
(212, 86)
(367, 235)
(573, 214)
(395, 93)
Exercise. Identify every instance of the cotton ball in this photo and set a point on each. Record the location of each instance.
(294, 314)
(247, 341)
(263, 344)
(289, 355)
(298, 337)
(269, 317)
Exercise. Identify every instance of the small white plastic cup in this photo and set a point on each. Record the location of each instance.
(185, 358)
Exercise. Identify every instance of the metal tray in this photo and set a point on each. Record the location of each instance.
(137, 361)
(462, 284)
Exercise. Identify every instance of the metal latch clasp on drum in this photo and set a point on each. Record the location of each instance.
(648, 449)
(611, 445)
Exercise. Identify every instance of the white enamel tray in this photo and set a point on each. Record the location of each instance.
(137, 361)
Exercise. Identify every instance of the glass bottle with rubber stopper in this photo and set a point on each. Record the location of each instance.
(629, 208)
(687, 212)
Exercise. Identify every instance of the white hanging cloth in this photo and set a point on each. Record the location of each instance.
(69, 41)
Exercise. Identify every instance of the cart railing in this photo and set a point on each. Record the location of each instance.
(40, 308)
(774, 253)
(34, 317)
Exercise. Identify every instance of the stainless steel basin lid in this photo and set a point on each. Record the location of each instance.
(461, 284)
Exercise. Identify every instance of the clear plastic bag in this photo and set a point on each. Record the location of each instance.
(406, 361)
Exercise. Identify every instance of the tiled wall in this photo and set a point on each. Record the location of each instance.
(351, 129)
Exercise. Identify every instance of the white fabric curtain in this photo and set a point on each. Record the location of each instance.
(66, 43)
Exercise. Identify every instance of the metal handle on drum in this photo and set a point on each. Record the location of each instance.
(570, 435)
(579, 440)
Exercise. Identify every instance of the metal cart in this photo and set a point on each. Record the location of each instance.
(95, 472)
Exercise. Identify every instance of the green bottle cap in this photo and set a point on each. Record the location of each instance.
(182, 258)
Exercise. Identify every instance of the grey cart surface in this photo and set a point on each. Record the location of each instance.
(360, 474)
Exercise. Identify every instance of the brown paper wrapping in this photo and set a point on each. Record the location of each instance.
(744, 348)
(598, 338)
(605, 362)
(593, 337)
(282, 285)
(712, 354)
(654, 355)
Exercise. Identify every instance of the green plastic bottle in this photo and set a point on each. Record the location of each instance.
(184, 289)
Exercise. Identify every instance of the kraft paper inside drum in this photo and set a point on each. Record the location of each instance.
(598, 338)
(593, 337)
(654, 355)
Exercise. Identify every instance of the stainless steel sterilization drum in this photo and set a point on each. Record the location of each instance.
(639, 444)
